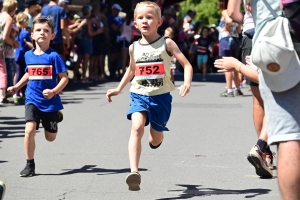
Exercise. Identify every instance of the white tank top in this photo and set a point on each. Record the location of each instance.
(248, 22)
(152, 63)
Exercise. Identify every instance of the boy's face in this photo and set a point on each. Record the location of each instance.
(42, 33)
(146, 20)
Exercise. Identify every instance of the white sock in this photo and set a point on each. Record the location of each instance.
(229, 90)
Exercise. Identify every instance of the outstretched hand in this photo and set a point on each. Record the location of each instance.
(183, 90)
(227, 64)
(110, 93)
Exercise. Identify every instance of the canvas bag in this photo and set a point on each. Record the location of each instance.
(275, 55)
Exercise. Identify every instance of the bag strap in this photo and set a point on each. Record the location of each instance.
(270, 9)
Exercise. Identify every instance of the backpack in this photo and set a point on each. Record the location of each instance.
(274, 53)
(291, 10)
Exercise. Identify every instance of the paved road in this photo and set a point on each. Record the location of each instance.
(203, 155)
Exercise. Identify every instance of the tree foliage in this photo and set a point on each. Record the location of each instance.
(207, 10)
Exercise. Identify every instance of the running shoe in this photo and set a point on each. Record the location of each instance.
(227, 94)
(258, 159)
(270, 159)
(133, 181)
(2, 190)
(238, 93)
(60, 116)
(28, 171)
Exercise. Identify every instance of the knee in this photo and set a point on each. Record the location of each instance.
(137, 130)
(50, 137)
(30, 132)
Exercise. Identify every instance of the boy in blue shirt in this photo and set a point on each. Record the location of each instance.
(44, 65)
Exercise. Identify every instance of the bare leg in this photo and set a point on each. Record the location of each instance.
(264, 133)
(29, 141)
(50, 137)
(134, 146)
(204, 69)
(236, 79)
(228, 77)
(258, 110)
(288, 170)
(85, 65)
(155, 137)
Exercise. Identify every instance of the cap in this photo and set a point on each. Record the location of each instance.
(116, 6)
(29, 3)
(213, 26)
(274, 53)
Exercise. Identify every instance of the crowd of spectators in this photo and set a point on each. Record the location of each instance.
(94, 41)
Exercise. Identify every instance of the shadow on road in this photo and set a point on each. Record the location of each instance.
(92, 169)
(191, 191)
(13, 129)
(3, 161)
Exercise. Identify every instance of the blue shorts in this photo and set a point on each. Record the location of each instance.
(229, 49)
(157, 107)
(202, 58)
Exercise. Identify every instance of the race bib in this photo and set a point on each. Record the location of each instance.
(153, 70)
(40, 72)
(201, 49)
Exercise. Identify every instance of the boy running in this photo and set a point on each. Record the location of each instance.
(150, 61)
(44, 65)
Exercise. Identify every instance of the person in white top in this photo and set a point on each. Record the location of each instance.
(125, 39)
(258, 104)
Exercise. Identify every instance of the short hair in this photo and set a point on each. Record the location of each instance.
(21, 18)
(248, 2)
(170, 30)
(30, 3)
(95, 7)
(10, 5)
(148, 4)
(43, 19)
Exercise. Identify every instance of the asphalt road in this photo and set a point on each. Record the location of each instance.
(202, 156)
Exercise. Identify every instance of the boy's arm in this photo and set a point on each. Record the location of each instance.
(126, 78)
(64, 80)
(129, 72)
(188, 70)
(22, 82)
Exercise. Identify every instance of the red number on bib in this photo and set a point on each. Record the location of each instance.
(40, 72)
(149, 70)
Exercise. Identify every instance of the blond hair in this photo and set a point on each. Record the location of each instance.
(21, 18)
(248, 2)
(170, 30)
(148, 4)
(10, 5)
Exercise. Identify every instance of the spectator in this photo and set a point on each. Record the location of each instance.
(60, 25)
(63, 4)
(10, 56)
(84, 33)
(24, 40)
(104, 43)
(97, 39)
(115, 23)
(177, 9)
(6, 21)
(30, 8)
(168, 21)
(125, 39)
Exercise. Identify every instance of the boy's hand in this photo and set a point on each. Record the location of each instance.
(183, 90)
(48, 94)
(12, 90)
(110, 93)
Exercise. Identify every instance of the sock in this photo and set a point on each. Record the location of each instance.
(229, 90)
(154, 147)
(262, 145)
(30, 161)
(268, 150)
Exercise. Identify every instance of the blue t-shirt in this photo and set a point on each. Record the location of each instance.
(116, 21)
(20, 52)
(57, 13)
(34, 91)
(203, 44)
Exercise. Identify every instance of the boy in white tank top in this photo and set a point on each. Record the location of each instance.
(150, 60)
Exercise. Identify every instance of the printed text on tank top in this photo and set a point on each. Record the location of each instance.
(40, 72)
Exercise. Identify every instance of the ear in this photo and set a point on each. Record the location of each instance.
(160, 21)
(52, 36)
(135, 24)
